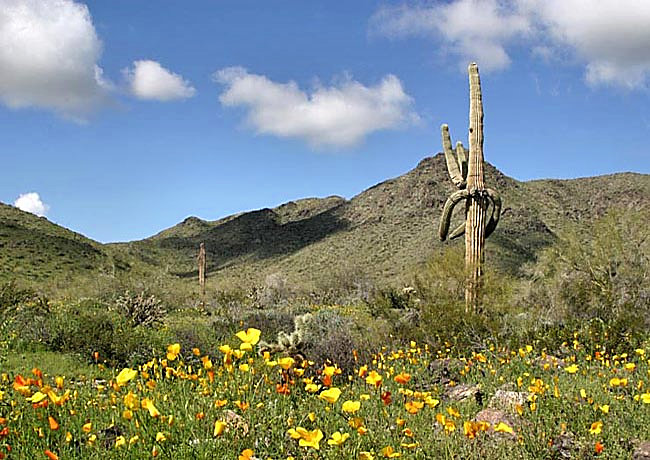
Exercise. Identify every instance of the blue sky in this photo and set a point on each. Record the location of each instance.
(127, 116)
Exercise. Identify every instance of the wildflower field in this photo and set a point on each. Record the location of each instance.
(241, 402)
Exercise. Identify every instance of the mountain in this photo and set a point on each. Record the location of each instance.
(381, 234)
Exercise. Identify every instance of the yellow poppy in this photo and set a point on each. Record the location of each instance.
(330, 395)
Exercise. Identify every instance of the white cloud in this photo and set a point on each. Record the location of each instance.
(150, 80)
(477, 30)
(609, 37)
(338, 115)
(48, 57)
(31, 202)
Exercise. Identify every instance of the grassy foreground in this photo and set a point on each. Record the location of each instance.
(236, 402)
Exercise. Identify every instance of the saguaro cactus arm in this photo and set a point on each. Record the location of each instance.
(495, 198)
(453, 164)
(451, 202)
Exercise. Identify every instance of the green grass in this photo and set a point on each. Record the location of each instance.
(562, 403)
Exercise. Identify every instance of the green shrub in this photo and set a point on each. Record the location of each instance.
(597, 271)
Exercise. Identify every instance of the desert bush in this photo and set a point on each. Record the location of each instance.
(440, 294)
(598, 271)
(86, 327)
(141, 309)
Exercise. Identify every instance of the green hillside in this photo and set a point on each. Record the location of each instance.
(380, 235)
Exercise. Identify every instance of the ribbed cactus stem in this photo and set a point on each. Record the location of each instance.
(466, 172)
(477, 201)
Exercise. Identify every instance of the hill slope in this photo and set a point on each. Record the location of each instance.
(380, 234)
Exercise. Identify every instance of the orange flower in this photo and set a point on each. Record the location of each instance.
(246, 454)
(54, 425)
(402, 378)
(282, 389)
(385, 398)
(598, 448)
(51, 455)
(413, 407)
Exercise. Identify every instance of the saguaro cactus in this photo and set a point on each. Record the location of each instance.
(466, 172)
(202, 263)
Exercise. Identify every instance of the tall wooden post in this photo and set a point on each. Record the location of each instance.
(202, 264)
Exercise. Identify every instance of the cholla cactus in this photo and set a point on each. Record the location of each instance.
(292, 343)
(141, 309)
(466, 172)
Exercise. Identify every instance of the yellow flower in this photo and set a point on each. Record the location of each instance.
(286, 363)
(125, 376)
(645, 397)
(351, 406)
(312, 388)
(364, 455)
(630, 367)
(173, 350)
(604, 408)
(596, 427)
(58, 380)
(453, 412)
(219, 427)
(131, 401)
(503, 428)
(388, 452)
(160, 437)
(616, 382)
(37, 397)
(307, 438)
(134, 439)
(120, 441)
(249, 338)
(374, 379)
(331, 395)
(583, 393)
(572, 369)
(127, 414)
(337, 438)
(87, 428)
(148, 404)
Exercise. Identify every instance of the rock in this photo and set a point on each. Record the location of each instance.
(550, 361)
(235, 421)
(494, 417)
(508, 400)
(642, 451)
(564, 446)
(464, 391)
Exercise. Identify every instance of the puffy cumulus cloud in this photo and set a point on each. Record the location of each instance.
(612, 37)
(48, 57)
(339, 115)
(609, 37)
(149, 80)
(477, 30)
(31, 202)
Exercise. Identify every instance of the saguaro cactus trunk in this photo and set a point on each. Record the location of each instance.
(466, 172)
(476, 202)
(202, 262)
